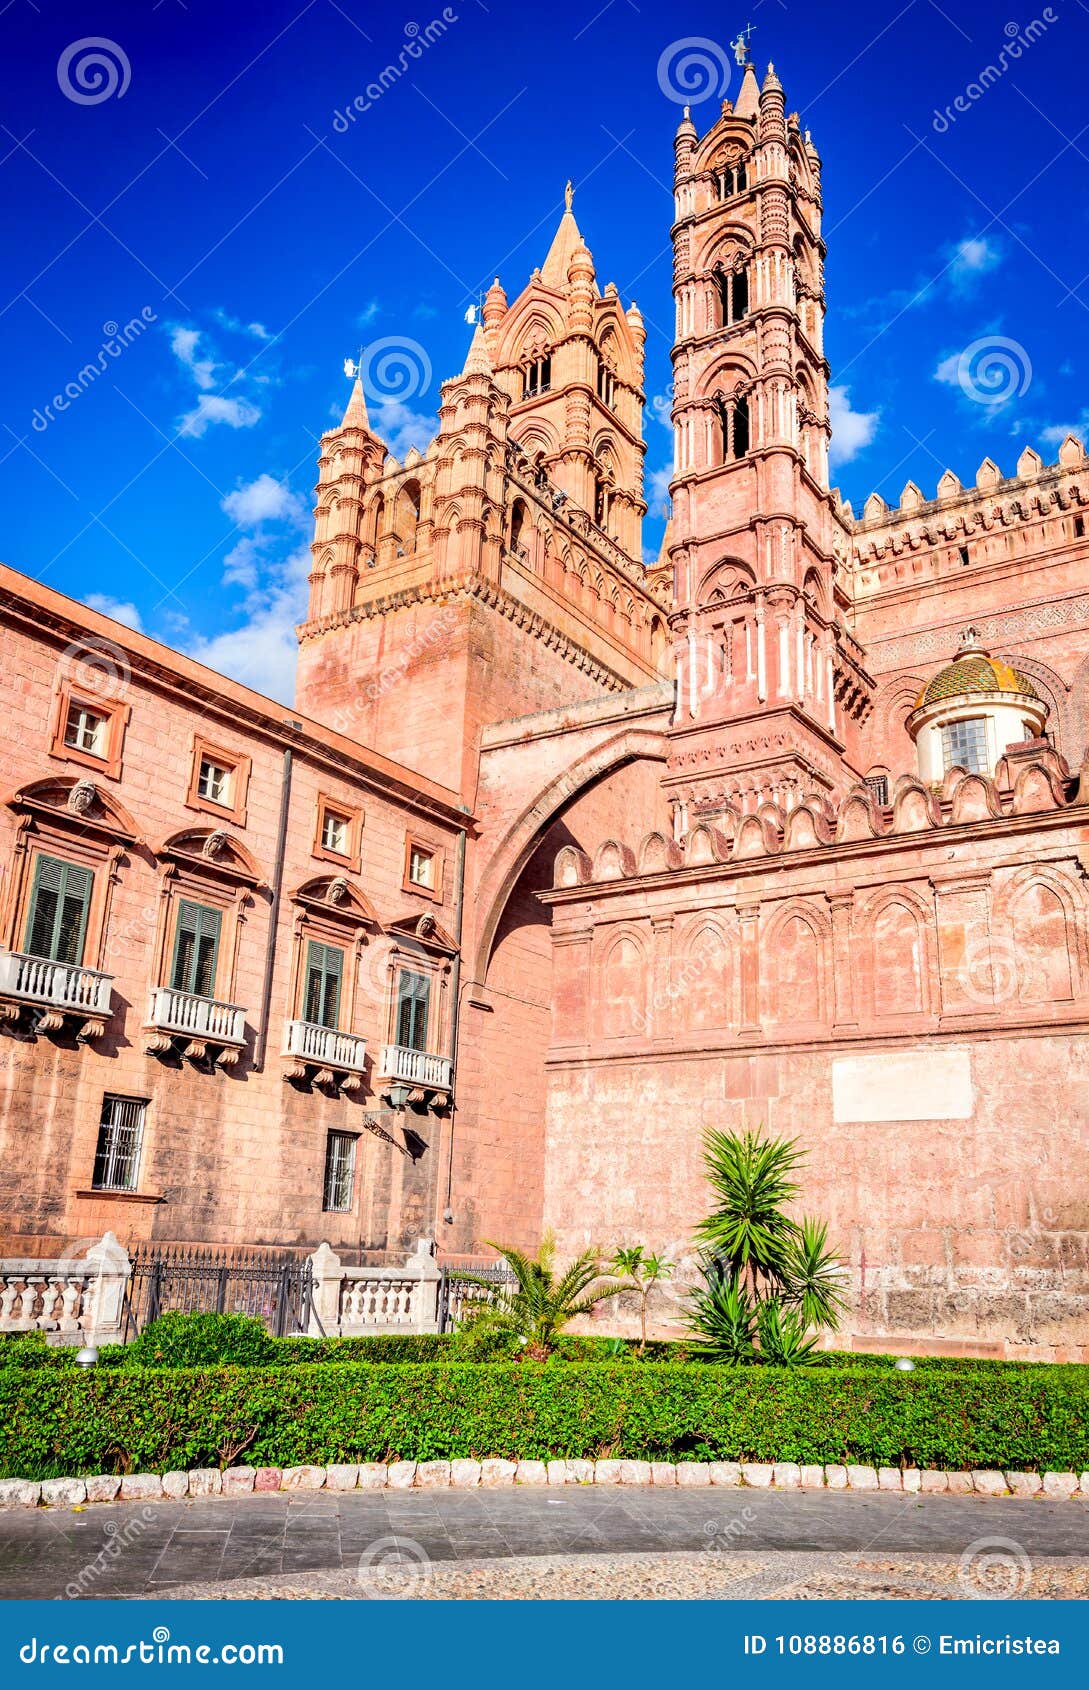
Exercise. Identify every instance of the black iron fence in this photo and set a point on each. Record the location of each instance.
(455, 1293)
(275, 1289)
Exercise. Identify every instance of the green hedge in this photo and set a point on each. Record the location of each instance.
(55, 1422)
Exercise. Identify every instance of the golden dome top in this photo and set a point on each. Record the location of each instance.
(973, 670)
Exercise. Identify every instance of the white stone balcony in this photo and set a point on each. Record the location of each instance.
(308, 1045)
(415, 1068)
(58, 989)
(201, 1021)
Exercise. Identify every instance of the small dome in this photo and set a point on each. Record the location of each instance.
(975, 671)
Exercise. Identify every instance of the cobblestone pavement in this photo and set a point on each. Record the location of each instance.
(516, 1542)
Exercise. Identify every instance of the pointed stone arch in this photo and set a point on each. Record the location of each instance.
(513, 850)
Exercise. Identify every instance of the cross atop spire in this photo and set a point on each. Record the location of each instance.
(740, 47)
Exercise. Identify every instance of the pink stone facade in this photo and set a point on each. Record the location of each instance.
(662, 840)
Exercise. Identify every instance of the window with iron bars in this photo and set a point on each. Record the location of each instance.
(339, 1172)
(878, 788)
(120, 1134)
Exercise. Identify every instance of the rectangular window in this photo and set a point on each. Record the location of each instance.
(964, 745)
(421, 867)
(121, 1129)
(413, 1004)
(87, 730)
(878, 788)
(214, 783)
(324, 970)
(196, 946)
(339, 1172)
(335, 831)
(57, 925)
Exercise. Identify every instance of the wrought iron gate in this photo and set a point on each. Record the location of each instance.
(454, 1293)
(276, 1289)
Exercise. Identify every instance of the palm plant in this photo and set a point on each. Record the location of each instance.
(643, 1271)
(536, 1308)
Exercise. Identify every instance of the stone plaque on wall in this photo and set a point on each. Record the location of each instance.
(909, 1085)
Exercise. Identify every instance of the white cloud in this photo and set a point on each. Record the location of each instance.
(401, 427)
(217, 408)
(207, 371)
(184, 344)
(261, 651)
(657, 488)
(852, 430)
(271, 566)
(949, 370)
(1057, 433)
(123, 611)
(972, 259)
(263, 500)
(257, 331)
(368, 313)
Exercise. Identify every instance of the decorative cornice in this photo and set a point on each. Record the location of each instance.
(497, 598)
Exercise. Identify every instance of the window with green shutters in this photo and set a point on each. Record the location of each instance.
(59, 902)
(196, 946)
(324, 969)
(413, 1003)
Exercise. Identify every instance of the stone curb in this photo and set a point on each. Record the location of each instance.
(487, 1475)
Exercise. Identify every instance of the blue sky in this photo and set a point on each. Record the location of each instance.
(202, 187)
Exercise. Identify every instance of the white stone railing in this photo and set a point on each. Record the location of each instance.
(310, 1042)
(82, 1300)
(415, 1067)
(195, 1017)
(352, 1301)
(57, 985)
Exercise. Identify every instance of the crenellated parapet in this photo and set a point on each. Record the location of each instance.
(999, 520)
(1031, 783)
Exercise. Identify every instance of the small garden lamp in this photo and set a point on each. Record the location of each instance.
(87, 1356)
(904, 1364)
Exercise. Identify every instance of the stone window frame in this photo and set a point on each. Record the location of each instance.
(99, 844)
(416, 841)
(240, 766)
(225, 884)
(346, 924)
(353, 814)
(117, 713)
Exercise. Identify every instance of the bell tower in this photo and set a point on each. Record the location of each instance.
(769, 680)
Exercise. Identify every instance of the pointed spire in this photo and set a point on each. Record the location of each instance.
(477, 361)
(356, 414)
(686, 126)
(748, 101)
(771, 80)
(565, 243)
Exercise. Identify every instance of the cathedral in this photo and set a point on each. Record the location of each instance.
(562, 857)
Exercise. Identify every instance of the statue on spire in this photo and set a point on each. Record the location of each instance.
(569, 195)
(740, 47)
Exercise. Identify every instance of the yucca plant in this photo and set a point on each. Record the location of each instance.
(540, 1304)
(724, 1319)
(814, 1276)
(785, 1338)
(771, 1280)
